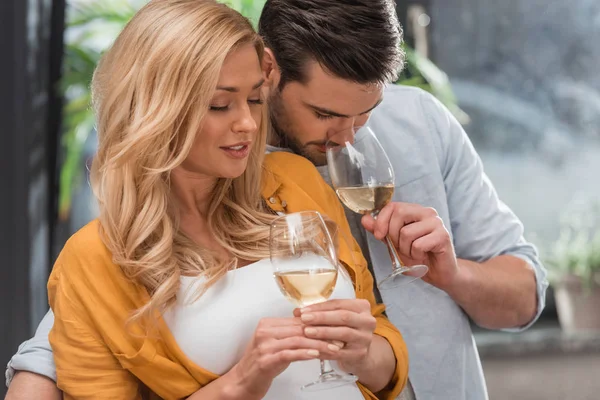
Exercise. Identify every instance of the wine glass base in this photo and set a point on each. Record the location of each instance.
(403, 276)
(329, 380)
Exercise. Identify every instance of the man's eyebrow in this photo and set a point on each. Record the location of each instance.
(326, 111)
(235, 89)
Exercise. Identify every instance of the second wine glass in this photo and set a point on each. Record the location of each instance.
(306, 267)
(363, 178)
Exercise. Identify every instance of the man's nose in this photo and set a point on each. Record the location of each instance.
(343, 135)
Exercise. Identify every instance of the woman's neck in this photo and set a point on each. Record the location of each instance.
(192, 192)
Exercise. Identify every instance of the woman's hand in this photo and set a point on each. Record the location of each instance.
(276, 343)
(349, 324)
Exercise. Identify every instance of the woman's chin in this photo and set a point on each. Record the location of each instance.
(232, 174)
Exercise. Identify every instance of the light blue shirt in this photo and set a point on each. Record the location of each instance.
(436, 166)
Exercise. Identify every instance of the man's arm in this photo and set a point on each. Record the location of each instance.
(31, 372)
(500, 282)
(26, 386)
(497, 294)
(35, 354)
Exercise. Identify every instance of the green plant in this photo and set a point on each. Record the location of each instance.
(92, 26)
(251, 9)
(577, 250)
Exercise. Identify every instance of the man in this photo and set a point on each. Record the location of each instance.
(327, 63)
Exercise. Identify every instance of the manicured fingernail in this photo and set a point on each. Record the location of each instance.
(313, 353)
(333, 347)
(310, 331)
(338, 343)
(303, 310)
(307, 317)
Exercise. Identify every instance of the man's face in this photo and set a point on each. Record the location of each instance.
(306, 115)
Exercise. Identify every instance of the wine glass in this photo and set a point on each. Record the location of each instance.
(305, 267)
(363, 178)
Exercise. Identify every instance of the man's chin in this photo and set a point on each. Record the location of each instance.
(319, 159)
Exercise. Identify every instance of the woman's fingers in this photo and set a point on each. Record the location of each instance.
(279, 332)
(269, 362)
(298, 343)
(351, 337)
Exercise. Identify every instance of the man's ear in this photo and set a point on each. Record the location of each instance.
(270, 68)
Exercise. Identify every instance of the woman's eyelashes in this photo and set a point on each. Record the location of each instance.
(219, 108)
(254, 102)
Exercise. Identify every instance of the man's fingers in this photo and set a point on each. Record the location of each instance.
(432, 243)
(411, 232)
(368, 222)
(382, 222)
(402, 214)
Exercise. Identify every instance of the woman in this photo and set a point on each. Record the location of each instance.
(186, 202)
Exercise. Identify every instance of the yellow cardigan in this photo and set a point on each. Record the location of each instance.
(98, 357)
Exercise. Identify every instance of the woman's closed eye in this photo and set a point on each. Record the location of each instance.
(226, 107)
(219, 108)
(258, 101)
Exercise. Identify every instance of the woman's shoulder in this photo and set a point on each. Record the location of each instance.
(87, 243)
(85, 256)
(281, 161)
(285, 168)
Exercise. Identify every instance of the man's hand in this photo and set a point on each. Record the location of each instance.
(498, 293)
(419, 235)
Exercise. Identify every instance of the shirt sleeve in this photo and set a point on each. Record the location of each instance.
(482, 225)
(364, 290)
(85, 367)
(35, 354)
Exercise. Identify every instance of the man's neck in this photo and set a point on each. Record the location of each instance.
(272, 149)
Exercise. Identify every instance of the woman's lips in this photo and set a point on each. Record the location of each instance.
(237, 152)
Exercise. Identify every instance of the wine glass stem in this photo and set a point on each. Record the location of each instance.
(396, 262)
(325, 367)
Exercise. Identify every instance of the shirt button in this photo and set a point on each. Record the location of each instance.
(284, 203)
(272, 200)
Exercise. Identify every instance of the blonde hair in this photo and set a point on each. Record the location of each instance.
(151, 91)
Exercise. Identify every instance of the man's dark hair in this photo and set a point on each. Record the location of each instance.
(356, 40)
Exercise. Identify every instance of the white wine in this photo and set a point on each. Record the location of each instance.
(365, 199)
(306, 287)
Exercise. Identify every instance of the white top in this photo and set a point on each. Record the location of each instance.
(214, 330)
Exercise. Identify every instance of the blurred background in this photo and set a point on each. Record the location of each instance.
(520, 75)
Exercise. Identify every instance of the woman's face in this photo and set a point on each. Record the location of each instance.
(230, 129)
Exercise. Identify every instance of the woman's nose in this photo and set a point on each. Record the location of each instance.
(245, 121)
